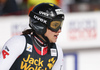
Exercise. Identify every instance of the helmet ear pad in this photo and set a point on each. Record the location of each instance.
(38, 27)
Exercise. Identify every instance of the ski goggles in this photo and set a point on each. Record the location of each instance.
(53, 24)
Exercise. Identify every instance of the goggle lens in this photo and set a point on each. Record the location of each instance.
(55, 25)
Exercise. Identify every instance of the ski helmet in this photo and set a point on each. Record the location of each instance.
(46, 15)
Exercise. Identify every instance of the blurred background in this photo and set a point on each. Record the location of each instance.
(80, 36)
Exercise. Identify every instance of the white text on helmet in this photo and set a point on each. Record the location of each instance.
(40, 19)
(43, 13)
(59, 11)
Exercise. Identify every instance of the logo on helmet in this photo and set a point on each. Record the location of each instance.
(40, 19)
(43, 13)
(59, 11)
(47, 13)
(51, 4)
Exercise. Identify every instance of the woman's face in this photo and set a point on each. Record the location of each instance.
(52, 36)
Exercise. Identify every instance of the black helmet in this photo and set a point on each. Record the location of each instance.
(46, 15)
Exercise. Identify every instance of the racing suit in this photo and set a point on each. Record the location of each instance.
(26, 52)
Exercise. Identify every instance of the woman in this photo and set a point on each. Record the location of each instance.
(35, 49)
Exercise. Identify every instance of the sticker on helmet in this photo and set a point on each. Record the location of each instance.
(59, 11)
(51, 4)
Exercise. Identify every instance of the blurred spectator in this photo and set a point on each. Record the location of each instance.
(21, 7)
(8, 7)
(22, 4)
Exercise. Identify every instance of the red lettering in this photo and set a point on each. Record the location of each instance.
(4, 54)
(82, 34)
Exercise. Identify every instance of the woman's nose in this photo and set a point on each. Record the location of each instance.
(59, 31)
